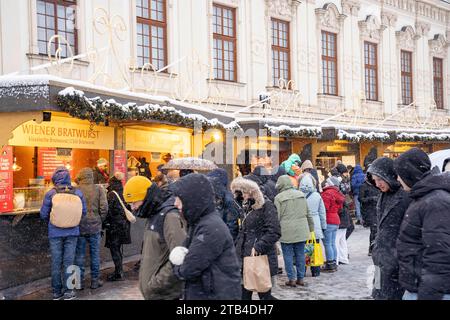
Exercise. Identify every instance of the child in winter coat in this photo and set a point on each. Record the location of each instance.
(333, 200)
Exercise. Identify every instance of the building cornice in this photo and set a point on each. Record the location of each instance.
(431, 9)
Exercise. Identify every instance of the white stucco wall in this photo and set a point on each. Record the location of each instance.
(190, 35)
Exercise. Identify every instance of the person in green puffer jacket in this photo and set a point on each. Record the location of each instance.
(292, 168)
(296, 225)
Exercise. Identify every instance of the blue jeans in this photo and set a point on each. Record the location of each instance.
(357, 208)
(330, 242)
(291, 250)
(413, 296)
(94, 250)
(62, 250)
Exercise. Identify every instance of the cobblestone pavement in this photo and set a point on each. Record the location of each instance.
(350, 282)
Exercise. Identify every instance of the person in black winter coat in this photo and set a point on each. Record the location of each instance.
(259, 228)
(226, 206)
(117, 226)
(368, 196)
(272, 181)
(144, 168)
(261, 177)
(207, 262)
(391, 208)
(423, 245)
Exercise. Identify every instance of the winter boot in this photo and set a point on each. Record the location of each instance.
(301, 283)
(69, 295)
(315, 271)
(291, 283)
(96, 283)
(329, 267)
(116, 276)
(334, 266)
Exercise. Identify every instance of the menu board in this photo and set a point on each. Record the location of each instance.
(6, 179)
(51, 158)
(120, 163)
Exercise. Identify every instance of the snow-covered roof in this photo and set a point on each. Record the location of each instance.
(42, 80)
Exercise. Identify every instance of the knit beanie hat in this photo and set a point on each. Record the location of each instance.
(333, 181)
(341, 168)
(102, 162)
(412, 165)
(383, 168)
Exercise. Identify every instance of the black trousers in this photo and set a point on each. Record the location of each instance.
(247, 295)
(373, 233)
(117, 256)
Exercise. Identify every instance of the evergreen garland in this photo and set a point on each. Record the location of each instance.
(364, 137)
(97, 110)
(421, 137)
(300, 132)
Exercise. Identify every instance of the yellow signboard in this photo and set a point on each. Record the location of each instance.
(63, 133)
(159, 140)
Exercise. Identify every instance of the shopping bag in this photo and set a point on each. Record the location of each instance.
(313, 252)
(257, 273)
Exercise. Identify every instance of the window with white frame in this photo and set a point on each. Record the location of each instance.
(280, 51)
(151, 33)
(371, 71)
(329, 63)
(56, 17)
(406, 77)
(224, 43)
(438, 83)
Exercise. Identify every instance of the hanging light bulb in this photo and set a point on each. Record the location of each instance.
(15, 166)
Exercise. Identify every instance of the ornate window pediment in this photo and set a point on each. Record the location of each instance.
(422, 29)
(438, 46)
(388, 19)
(282, 8)
(350, 7)
(329, 18)
(371, 28)
(406, 38)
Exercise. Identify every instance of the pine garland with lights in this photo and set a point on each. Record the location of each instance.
(97, 110)
(364, 137)
(295, 132)
(421, 137)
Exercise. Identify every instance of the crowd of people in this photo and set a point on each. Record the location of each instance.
(201, 227)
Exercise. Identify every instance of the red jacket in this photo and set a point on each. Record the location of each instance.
(333, 200)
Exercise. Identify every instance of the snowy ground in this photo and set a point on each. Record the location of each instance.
(350, 282)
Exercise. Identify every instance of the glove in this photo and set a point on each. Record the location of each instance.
(177, 255)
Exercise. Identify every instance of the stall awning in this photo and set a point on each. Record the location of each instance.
(86, 101)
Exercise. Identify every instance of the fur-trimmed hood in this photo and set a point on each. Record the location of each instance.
(249, 187)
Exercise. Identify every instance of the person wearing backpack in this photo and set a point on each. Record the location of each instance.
(62, 208)
(164, 230)
(91, 226)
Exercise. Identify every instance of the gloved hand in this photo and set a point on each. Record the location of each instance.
(177, 255)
